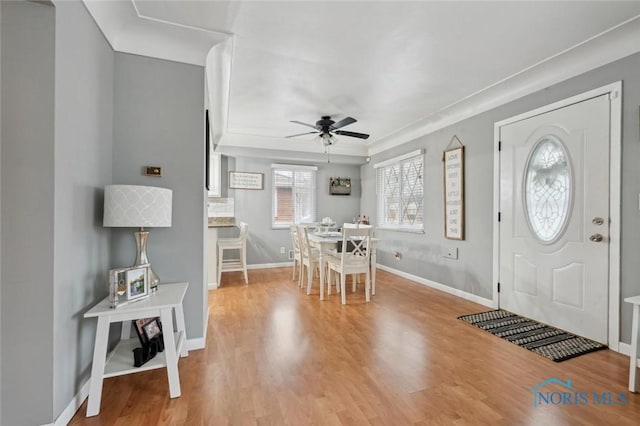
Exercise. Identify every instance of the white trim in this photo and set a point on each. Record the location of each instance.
(398, 159)
(438, 286)
(214, 286)
(615, 213)
(614, 90)
(177, 24)
(293, 167)
(74, 405)
(196, 344)
(270, 265)
(607, 47)
(624, 348)
(496, 209)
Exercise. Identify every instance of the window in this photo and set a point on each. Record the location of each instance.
(294, 195)
(400, 192)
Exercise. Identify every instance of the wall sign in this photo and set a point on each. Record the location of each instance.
(339, 186)
(453, 170)
(245, 180)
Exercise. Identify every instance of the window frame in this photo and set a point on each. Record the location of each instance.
(292, 168)
(399, 162)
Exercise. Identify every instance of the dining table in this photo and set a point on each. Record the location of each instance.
(326, 243)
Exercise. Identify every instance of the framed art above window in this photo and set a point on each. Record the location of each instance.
(400, 190)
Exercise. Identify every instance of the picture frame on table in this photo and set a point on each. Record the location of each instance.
(152, 329)
(146, 327)
(137, 281)
(125, 285)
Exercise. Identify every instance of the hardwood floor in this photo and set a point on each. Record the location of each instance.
(277, 356)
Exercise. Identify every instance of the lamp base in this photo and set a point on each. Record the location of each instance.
(141, 257)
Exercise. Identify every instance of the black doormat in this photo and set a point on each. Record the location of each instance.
(553, 343)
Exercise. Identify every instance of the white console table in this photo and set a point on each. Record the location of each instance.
(161, 304)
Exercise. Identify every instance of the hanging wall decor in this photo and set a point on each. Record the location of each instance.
(339, 186)
(246, 180)
(453, 174)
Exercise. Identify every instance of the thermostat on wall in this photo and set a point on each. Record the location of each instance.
(153, 171)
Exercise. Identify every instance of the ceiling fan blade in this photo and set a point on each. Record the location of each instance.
(352, 134)
(342, 123)
(313, 126)
(301, 134)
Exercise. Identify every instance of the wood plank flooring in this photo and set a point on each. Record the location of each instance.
(276, 356)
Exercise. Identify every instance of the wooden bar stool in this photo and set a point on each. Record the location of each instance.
(238, 264)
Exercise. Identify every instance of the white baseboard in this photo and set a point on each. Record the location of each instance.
(67, 414)
(438, 286)
(195, 344)
(624, 349)
(270, 265)
(213, 286)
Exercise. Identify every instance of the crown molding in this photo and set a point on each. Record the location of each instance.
(234, 144)
(604, 48)
(128, 31)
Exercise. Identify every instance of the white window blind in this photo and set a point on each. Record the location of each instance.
(400, 189)
(294, 189)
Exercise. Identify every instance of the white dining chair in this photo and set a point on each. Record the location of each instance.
(353, 259)
(356, 226)
(310, 257)
(237, 264)
(297, 254)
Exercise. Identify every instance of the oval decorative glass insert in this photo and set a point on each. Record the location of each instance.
(547, 186)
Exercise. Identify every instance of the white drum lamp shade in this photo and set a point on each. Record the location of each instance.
(137, 206)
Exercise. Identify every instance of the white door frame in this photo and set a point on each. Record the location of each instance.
(614, 90)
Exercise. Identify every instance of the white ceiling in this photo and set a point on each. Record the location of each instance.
(400, 68)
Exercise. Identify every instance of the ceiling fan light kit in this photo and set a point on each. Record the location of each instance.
(325, 129)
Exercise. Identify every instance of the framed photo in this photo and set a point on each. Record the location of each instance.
(246, 180)
(453, 170)
(120, 293)
(152, 329)
(339, 186)
(137, 282)
(139, 326)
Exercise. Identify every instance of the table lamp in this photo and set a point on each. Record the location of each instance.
(138, 206)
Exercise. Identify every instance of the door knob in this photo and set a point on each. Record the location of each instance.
(596, 238)
(598, 221)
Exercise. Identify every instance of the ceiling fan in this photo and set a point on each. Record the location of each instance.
(326, 127)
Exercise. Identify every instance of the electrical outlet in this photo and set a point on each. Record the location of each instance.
(290, 254)
(450, 253)
(282, 250)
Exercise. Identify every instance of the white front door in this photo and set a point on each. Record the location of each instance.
(554, 217)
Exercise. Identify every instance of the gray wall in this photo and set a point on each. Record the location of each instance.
(472, 272)
(254, 207)
(0, 211)
(159, 120)
(28, 85)
(83, 143)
